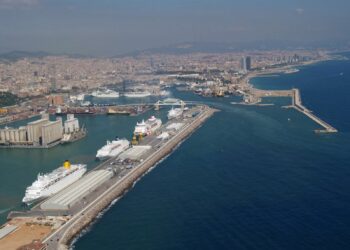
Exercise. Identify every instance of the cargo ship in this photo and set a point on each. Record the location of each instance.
(112, 111)
(51, 183)
(112, 148)
(76, 111)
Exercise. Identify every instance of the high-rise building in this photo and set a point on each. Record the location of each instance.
(248, 62)
(52, 76)
(243, 64)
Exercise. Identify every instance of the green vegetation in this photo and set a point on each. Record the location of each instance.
(8, 99)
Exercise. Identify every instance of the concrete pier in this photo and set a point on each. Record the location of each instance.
(297, 104)
(61, 238)
(69, 222)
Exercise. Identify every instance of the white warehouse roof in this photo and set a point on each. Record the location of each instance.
(135, 152)
(69, 196)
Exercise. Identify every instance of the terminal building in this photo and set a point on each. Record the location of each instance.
(76, 192)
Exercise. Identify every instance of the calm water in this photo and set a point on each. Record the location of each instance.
(249, 178)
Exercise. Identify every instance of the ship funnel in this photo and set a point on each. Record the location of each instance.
(134, 140)
(66, 164)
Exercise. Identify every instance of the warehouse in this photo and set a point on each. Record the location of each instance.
(135, 153)
(65, 199)
(51, 132)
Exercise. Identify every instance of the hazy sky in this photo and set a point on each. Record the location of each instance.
(106, 27)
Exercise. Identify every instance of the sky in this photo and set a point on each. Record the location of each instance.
(112, 27)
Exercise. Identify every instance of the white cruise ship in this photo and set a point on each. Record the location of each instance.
(107, 93)
(174, 113)
(51, 183)
(148, 127)
(164, 93)
(137, 94)
(112, 149)
(77, 98)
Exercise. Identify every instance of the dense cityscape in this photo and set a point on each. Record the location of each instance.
(36, 80)
(38, 76)
(174, 125)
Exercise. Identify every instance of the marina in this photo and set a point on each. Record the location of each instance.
(79, 205)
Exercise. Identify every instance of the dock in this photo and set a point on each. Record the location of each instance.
(75, 212)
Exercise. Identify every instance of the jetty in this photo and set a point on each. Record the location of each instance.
(297, 104)
(257, 94)
(66, 214)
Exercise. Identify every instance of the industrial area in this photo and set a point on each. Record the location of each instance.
(42, 133)
(55, 220)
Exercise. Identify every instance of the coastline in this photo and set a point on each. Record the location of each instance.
(254, 95)
(65, 226)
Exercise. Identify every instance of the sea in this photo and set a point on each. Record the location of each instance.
(251, 177)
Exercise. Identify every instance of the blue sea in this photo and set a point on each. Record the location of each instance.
(249, 178)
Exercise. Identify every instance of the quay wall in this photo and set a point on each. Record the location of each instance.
(129, 180)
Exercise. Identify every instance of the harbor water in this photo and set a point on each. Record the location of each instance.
(249, 178)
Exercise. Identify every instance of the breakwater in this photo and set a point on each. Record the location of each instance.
(256, 96)
(297, 104)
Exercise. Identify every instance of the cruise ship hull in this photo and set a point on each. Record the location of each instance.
(105, 96)
(148, 127)
(55, 188)
(105, 152)
(112, 154)
(137, 95)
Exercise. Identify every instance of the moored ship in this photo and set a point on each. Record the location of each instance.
(112, 148)
(112, 111)
(175, 113)
(107, 93)
(137, 94)
(51, 183)
(149, 127)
